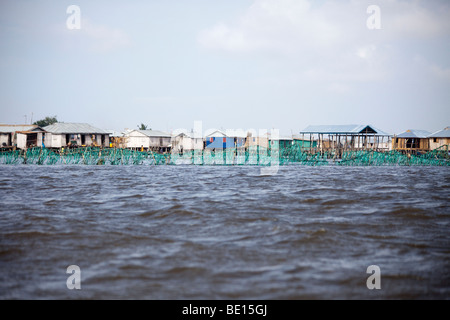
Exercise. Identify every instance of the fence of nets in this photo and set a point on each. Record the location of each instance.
(254, 155)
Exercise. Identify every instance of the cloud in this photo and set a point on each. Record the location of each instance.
(295, 25)
(285, 26)
(329, 42)
(413, 20)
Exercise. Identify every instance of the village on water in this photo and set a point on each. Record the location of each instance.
(322, 137)
(314, 142)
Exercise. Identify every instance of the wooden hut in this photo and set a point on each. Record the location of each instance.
(412, 141)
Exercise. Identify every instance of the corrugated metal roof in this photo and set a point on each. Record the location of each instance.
(230, 133)
(444, 133)
(155, 133)
(83, 128)
(215, 133)
(342, 129)
(414, 134)
(331, 129)
(192, 135)
(7, 128)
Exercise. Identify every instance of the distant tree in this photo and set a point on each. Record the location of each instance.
(46, 121)
(143, 127)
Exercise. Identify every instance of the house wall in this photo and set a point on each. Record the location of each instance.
(106, 142)
(21, 140)
(219, 142)
(56, 140)
(137, 142)
(136, 139)
(257, 141)
(39, 139)
(178, 143)
(87, 139)
(198, 143)
(223, 142)
(158, 142)
(52, 140)
(438, 142)
(48, 140)
(186, 143)
(402, 144)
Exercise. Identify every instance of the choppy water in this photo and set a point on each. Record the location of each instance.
(206, 232)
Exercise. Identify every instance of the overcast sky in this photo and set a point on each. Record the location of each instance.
(257, 64)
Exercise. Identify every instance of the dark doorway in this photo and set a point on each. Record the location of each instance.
(31, 140)
(412, 143)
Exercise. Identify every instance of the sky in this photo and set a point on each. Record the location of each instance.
(232, 64)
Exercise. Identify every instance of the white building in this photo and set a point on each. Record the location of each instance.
(63, 134)
(148, 139)
(186, 141)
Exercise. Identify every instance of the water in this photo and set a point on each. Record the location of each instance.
(214, 232)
